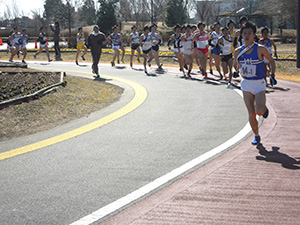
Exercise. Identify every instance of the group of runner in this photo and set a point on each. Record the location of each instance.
(242, 50)
(191, 44)
(16, 43)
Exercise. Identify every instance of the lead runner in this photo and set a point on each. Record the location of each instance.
(250, 59)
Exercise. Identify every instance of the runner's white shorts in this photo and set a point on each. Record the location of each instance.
(253, 86)
(43, 45)
(188, 52)
(177, 50)
(115, 47)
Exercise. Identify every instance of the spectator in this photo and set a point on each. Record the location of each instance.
(56, 30)
(96, 41)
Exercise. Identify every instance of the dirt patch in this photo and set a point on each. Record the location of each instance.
(58, 107)
(16, 83)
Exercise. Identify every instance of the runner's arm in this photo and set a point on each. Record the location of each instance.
(235, 62)
(275, 48)
(264, 52)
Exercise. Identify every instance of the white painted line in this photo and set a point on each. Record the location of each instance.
(159, 182)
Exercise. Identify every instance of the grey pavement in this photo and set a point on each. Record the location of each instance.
(180, 120)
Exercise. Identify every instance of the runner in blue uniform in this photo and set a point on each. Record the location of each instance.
(268, 43)
(23, 42)
(15, 41)
(116, 41)
(215, 49)
(10, 45)
(249, 59)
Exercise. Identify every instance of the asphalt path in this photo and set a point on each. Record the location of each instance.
(180, 120)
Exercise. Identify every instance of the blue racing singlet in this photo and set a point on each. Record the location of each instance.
(24, 39)
(116, 39)
(252, 68)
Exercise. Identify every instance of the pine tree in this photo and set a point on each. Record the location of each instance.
(54, 11)
(106, 15)
(176, 12)
(88, 12)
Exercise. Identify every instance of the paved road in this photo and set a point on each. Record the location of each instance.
(180, 120)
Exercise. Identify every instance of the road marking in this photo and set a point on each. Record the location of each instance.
(134, 196)
(139, 98)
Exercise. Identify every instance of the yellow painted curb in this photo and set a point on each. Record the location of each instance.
(139, 98)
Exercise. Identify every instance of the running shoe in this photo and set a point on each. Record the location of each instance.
(112, 64)
(118, 61)
(236, 74)
(185, 66)
(131, 64)
(11, 59)
(149, 63)
(211, 72)
(83, 58)
(221, 76)
(273, 81)
(200, 68)
(146, 71)
(266, 114)
(205, 75)
(34, 56)
(160, 67)
(50, 60)
(76, 62)
(122, 61)
(98, 76)
(256, 140)
(23, 61)
(189, 74)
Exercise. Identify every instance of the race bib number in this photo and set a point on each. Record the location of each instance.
(248, 70)
(227, 48)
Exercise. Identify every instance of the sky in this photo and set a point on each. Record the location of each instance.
(25, 6)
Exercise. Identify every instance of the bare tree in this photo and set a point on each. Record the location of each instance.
(286, 11)
(207, 10)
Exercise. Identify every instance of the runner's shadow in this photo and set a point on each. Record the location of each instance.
(279, 88)
(82, 65)
(151, 75)
(101, 79)
(120, 67)
(137, 69)
(277, 157)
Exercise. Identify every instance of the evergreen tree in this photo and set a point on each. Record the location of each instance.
(88, 12)
(176, 12)
(54, 11)
(106, 15)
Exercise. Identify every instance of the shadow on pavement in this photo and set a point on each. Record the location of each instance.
(277, 157)
(137, 69)
(82, 65)
(120, 67)
(101, 79)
